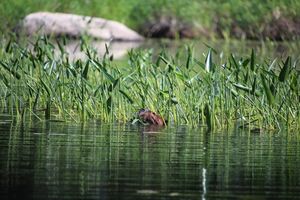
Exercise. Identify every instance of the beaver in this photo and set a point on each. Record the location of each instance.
(150, 117)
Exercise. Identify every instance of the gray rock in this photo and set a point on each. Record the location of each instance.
(59, 24)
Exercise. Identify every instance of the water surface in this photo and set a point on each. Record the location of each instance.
(55, 160)
(265, 50)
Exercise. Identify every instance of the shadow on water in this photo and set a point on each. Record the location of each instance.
(53, 160)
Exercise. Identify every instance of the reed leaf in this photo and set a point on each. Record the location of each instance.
(8, 46)
(85, 70)
(253, 88)
(46, 87)
(285, 70)
(103, 70)
(245, 62)
(242, 87)
(11, 71)
(107, 90)
(126, 96)
(208, 118)
(190, 57)
(208, 61)
(234, 61)
(272, 65)
(252, 60)
(267, 90)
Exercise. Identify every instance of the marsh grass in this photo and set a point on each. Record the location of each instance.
(200, 92)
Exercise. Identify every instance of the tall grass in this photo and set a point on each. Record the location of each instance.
(233, 91)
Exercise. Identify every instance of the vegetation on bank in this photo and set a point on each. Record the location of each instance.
(233, 18)
(39, 82)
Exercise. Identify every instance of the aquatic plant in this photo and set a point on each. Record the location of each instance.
(40, 82)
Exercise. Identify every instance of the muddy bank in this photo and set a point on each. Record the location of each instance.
(274, 28)
(171, 27)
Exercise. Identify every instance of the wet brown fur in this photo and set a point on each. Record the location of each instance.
(151, 118)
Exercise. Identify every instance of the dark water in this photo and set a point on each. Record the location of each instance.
(54, 160)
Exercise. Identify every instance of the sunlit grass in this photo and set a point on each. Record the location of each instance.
(197, 92)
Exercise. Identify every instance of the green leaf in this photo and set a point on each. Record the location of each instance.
(285, 70)
(242, 87)
(106, 49)
(135, 121)
(5, 81)
(189, 58)
(85, 70)
(8, 46)
(170, 67)
(210, 47)
(71, 70)
(126, 96)
(234, 61)
(267, 90)
(108, 104)
(272, 64)
(207, 114)
(174, 100)
(179, 75)
(294, 83)
(14, 73)
(113, 85)
(88, 53)
(45, 87)
(208, 61)
(61, 48)
(252, 60)
(103, 70)
(199, 63)
(245, 62)
(253, 86)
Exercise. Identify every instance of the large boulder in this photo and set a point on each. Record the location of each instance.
(62, 24)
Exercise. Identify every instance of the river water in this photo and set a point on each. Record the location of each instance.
(265, 50)
(59, 160)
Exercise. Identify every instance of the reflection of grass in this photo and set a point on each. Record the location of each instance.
(134, 13)
(196, 92)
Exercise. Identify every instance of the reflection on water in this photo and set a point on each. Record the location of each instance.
(52, 160)
(224, 48)
(117, 49)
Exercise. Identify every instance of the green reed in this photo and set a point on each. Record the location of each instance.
(43, 82)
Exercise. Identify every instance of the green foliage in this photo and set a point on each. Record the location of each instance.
(194, 92)
(134, 13)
